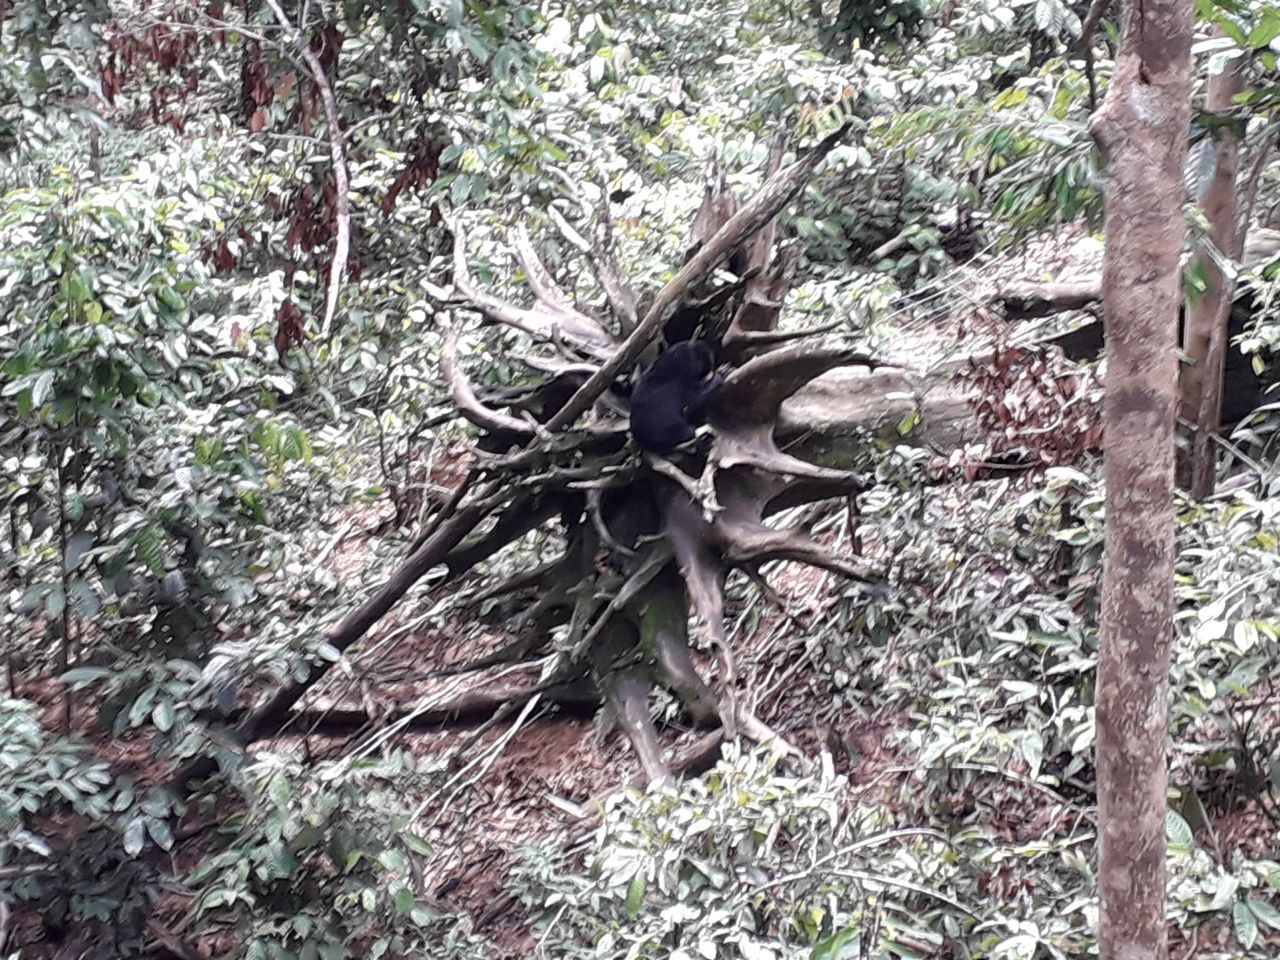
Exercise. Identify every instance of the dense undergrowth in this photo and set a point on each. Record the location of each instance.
(192, 495)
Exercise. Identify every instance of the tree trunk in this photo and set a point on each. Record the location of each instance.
(1200, 401)
(1141, 132)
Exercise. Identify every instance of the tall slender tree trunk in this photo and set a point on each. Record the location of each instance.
(1141, 131)
(1209, 313)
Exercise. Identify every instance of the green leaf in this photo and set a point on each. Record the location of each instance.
(160, 833)
(85, 675)
(1246, 925)
(405, 901)
(280, 791)
(1267, 29)
(171, 299)
(76, 288)
(42, 389)
(78, 544)
(1266, 913)
(55, 602)
(1181, 838)
(135, 836)
(460, 189)
(163, 716)
(833, 947)
(635, 894)
(416, 844)
(149, 549)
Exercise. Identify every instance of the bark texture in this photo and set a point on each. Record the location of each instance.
(1200, 401)
(1141, 131)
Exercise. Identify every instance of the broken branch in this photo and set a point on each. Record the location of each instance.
(763, 207)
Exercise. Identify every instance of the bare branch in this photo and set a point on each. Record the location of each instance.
(617, 289)
(627, 692)
(758, 451)
(658, 558)
(756, 340)
(520, 516)
(547, 321)
(757, 317)
(536, 273)
(755, 391)
(777, 192)
(337, 156)
(1096, 12)
(747, 542)
(468, 405)
(522, 580)
(521, 646)
(271, 716)
(1026, 301)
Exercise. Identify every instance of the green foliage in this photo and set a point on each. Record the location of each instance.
(742, 863)
(39, 771)
(888, 22)
(141, 458)
(170, 478)
(321, 863)
(747, 863)
(1238, 896)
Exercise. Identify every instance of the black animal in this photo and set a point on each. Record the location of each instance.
(671, 398)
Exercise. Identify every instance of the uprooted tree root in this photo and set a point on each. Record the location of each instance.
(646, 541)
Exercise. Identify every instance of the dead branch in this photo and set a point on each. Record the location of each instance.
(753, 543)
(523, 580)
(760, 339)
(763, 207)
(167, 939)
(337, 157)
(522, 646)
(449, 508)
(546, 320)
(596, 512)
(760, 310)
(521, 515)
(604, 266)
(467, 710)
(762, 246)
(1096, 12)
(1028, 301)
(627, 694)
(272, 715)
(763, 734)
(464, 396)
(754, 392)
(1205, 330)
(756, 449)
(536, 274)
(691, 537)
(658, 558)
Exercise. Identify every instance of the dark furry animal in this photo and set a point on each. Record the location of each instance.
(671, 398)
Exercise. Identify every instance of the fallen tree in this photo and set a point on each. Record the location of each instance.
(1243, 387)
(645, 543)
(831, 417)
